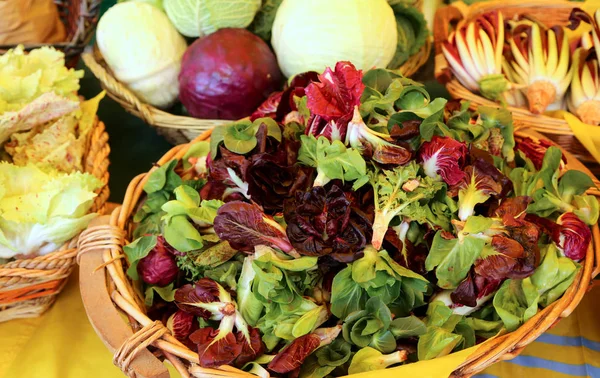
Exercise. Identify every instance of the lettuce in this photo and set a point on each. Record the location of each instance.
(24, 77)
(39, 211)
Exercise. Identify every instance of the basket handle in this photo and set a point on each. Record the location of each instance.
(444, 18)
(115, 87)
(103, 315)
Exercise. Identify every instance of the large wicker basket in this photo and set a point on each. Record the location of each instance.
(550, 12)
(80, 18)
(28, 287)
(179, 129)
(107, 293)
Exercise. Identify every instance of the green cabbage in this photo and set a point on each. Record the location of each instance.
(24, 77)
(312, 35)
(39, 211)
(197, 18)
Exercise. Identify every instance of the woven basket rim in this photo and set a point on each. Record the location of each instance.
(29, 286)
(126, 298)
(186, 128)
(541, 123)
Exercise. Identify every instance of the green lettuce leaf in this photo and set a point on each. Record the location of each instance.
(41, 210)
(516, 302)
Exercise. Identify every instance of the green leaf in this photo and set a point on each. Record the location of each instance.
(225, 274)
(196, 150)
(468, 334)
(412, 32)
(163, 178)
(409, 326)
(181, 234)
(240, 137)
(136, 251)
(215, 255)
(554, 274)
(250, 307)
(586, 208)
(516, 302)
(369, 359)
(501, 119)
(574, 183)
(437, 342)
(216, 138)
(326, 359)
(433, 107)
(187, 195)
(263, 21)
(151, 225)
(379, 79)
(453, 258)
(332, 160)
(346, 295)
(273, 129)
(167, 293)
(310, 321)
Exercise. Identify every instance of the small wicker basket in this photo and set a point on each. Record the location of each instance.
(106, 289)
(80, 18)
(550, 12)
(28, 287)
(179, 129)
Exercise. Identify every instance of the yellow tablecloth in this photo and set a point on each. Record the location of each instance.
(62, 344)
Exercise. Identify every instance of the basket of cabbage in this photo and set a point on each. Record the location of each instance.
(371, 228)
(53, 176)
(240, 53)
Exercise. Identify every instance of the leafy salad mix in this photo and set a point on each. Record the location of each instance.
(353, 223)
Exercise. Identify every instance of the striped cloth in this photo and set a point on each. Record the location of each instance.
(571, 349)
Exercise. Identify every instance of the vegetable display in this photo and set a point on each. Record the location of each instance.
(240, 50)
(523, 63)
(355, 224)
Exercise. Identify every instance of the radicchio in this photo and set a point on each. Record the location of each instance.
(535, 151)
(292, 356)
(473, 288)
(444, 156)
(319, 223)
(332, 100)
(570, 234)
(182, 324)
(159, 267)
(215, 348)
(268, 108)
(245, 225)
(189, 298)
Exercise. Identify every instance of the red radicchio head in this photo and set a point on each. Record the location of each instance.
(273, 177)
(332, 100)
(444, 156)
(535, 151)
(159, 267)
(574, 236)
(319, 223)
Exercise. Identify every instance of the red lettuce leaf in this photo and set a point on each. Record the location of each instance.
(245, 225)
(472, 288)
(268, 108)
(444, 156)
(251, 349)
(535, 151)
(204, 290)
(297, 88)
(182, 324)
(213, 353)
(293, 355)
(333, 99)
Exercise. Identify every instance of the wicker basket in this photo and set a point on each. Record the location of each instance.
(179, 129)
(107, 290)
(29, 287)
(80, 18)
(550, 12)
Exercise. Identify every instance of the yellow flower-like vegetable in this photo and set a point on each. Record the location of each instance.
(540, 62)
(474, 53)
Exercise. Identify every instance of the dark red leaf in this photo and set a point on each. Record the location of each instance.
(535, 151)
(574, 236)
(245, 224)
(444, 156)
(292, 356)
(203, 291)
(182, 324)
(213, 353)
(296, 89)
(251, 349)
(318, 223)
(391, 154)
(268, 108)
